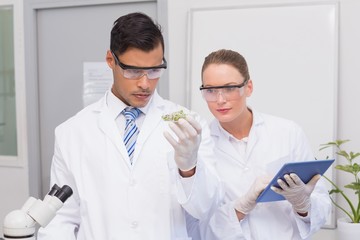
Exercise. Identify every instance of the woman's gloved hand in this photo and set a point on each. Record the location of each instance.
(247, 202)
(186, 147)
(296, 191)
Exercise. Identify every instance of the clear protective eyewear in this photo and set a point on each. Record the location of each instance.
(228, 92)
(134, 72)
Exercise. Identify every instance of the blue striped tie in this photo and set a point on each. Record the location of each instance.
(131, 130)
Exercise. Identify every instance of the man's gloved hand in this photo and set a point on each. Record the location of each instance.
(247, 202)
(297, 192)
(186, 148)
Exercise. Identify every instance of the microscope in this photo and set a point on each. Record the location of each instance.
(20, 224)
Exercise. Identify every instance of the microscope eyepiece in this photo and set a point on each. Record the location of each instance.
(64, 193)
(53, 190)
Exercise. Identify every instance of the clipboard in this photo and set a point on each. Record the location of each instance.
(305, 170)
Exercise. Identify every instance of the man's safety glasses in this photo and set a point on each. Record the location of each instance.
(228, 92)
(133, 72)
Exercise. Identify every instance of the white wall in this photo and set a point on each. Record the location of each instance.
(348, 84)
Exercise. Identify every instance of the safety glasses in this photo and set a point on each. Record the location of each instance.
(134, 72)
(228, 92)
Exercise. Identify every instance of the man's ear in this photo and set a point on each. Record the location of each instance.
(110, 60)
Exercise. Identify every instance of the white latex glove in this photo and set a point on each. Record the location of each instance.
(247, 202)
(296, 191)
(186, 147)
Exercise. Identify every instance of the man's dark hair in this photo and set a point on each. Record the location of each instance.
(135, 30)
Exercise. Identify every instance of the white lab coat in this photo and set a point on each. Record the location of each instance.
(113, 200)
(272, 142)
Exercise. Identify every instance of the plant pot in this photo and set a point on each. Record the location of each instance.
(346, 230)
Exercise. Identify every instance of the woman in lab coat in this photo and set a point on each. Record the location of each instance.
(250, 145)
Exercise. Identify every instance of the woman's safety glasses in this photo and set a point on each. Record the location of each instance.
(133, 72)
(228, 92)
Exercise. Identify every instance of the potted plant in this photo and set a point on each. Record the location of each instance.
(352, 211)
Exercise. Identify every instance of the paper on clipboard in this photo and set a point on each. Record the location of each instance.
(305, 170)
(98, 79)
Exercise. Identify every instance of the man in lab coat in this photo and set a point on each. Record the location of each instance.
(145, 191)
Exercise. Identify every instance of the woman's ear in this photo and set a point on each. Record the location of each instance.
(249, 88)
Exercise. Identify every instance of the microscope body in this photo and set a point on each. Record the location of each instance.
(21, 224)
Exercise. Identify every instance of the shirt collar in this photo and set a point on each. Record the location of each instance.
(116, 106)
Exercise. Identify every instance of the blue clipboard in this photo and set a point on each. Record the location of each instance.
(305, 170)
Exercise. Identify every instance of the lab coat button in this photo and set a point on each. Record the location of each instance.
(134, 224)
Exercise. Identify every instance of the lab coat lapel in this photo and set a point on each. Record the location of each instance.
(253, 136)
(108, 126)
(221, 142)
(151, 121)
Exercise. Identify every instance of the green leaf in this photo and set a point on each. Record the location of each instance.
(334, 191)
(354, 186)
(346, 168)
(323, 147)
(356, 167)
(340, 142)
(327, 145)
(354, 155)
(344, 154)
